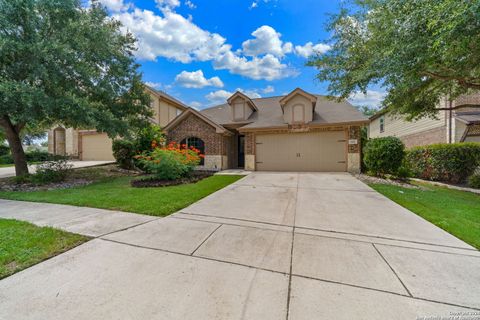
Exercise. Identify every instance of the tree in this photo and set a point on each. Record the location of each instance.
(420, 51)
(367, 111)
(62, 63)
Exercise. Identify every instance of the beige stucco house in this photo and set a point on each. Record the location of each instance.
(296, 132)
(458, 122)
(93, 145)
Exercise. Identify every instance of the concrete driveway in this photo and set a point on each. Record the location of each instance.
(10, 171)
(270, 246)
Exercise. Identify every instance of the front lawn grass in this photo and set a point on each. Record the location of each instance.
(117, 194)
(455, 211)
(23, 244)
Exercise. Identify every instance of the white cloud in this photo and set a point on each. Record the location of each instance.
(196, 79)
(171, 36)
(219, 96)
(155, 85)
(253, 5)
(372, 98)
(310, 49)
(190, 4)
(167, 4)
(267, 67)
(195, 104)
(115, 5)
(268, 89)
(266, 40)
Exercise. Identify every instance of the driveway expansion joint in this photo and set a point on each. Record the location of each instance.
(205, 240)
(393, 270)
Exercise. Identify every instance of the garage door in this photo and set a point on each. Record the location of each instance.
(318, 151)
(96, 147)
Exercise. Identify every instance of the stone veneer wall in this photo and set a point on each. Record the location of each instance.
(353, 156)
(192, 126)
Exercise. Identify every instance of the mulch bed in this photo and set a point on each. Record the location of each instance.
(399, 183)
(12, 186)
(154, 182)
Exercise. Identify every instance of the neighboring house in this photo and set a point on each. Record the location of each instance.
(296, 132)
(461, 123)
(93, 145)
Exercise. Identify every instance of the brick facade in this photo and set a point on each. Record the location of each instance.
(436, 135)
(193, 126)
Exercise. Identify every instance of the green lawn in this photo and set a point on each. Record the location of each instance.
(457, 212)
(23, 244)
(117, 194)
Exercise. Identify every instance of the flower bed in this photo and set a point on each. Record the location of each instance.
(154, 181)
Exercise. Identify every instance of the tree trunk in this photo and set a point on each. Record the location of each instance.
(13, 137)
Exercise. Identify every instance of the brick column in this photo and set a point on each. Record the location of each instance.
(353, 164)
(250, 151)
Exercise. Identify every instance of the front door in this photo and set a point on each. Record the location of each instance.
(241, 151)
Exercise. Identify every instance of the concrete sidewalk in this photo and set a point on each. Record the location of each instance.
(10, 171)
(82, 220)
(271, 246)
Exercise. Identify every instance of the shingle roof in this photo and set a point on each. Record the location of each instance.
(270, 114)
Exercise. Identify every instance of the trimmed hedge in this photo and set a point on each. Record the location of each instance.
(444, 162)
(384, 155)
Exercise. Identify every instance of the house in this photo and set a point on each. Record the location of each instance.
(93, 145)
(458, 122)
(296, 132)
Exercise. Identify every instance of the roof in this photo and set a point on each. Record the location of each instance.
(166, 96)
(468, 118)
(269, 113)
(187, 112)
(243, 96)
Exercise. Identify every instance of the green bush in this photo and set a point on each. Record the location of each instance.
(51, 171)
(124, 151)
(38, 156)
(6, 159)
(444, 162)
(4, 150)
(144, 141)
(474, 181)
(149, 138)
(384, 155)
(170, 163)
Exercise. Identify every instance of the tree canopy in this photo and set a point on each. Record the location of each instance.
(419, 51)
(62, 63)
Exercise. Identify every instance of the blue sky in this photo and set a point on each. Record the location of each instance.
(201, 51)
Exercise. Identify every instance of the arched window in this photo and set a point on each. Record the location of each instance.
(197, 143)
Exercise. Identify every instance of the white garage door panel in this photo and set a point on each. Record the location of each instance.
(318, 151)
(96, 147)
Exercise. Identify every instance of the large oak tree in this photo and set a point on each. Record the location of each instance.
(64, 64)
(419, 50)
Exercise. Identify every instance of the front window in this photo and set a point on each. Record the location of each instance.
(382, 124)
(197, 143)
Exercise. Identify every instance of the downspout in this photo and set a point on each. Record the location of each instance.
(450, 116)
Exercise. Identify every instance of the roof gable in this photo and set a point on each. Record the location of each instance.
(169, 98)
(249, 101)
(179, 119)
(283, 101)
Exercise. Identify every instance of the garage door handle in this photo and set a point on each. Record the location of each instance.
(259, 162)
(341, 161)
(259, 143)
(341, 140)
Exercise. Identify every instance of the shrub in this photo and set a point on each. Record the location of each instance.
(444, 162)
(124, 151)
(474, 181)
(38, 156)
(52, 171)
(4, 150)
(170, 163)
(6, 159)
(384, 155)
(149, 138)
